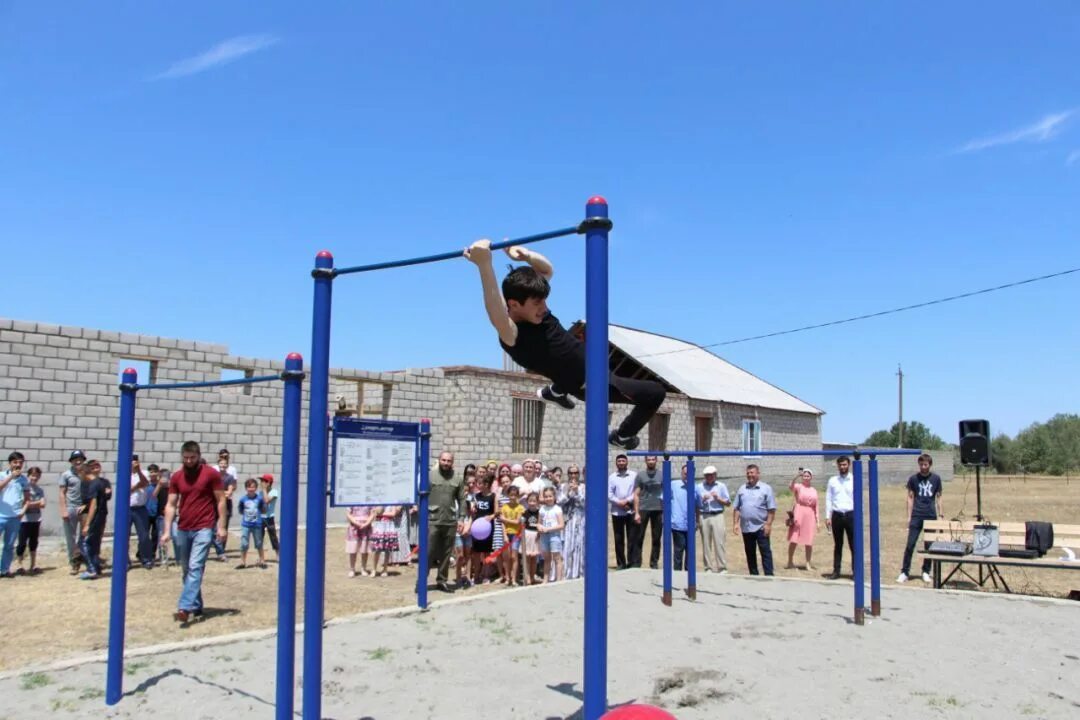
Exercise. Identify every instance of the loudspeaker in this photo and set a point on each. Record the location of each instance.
(975, 443)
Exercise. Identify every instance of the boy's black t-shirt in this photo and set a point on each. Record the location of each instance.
(924, 490)
(549, 349)
(531, 519)
(484, 504)
(96, 490)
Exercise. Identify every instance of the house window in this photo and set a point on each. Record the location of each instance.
(528, 422)
(658, 429)
(228, 373)
(751, 436)
(146, 370)
(702, 433)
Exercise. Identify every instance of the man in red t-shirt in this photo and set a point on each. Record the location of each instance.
(197, 493)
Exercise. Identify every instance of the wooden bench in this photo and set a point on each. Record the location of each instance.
(1010, 534)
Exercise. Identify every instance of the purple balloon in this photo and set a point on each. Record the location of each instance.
(481, 529)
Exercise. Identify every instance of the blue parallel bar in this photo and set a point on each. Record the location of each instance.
(114, 676)
(209, 383)
(858, 561)
(774, 453)
(596, 463)
(318, 427)
(288, 510)
(875, 542)
(455, 253)
(666, 495)
(691, 530)
(424, 492)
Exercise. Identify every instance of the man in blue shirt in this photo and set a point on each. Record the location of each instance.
(755, 508)
(12, 501)
(679, 518)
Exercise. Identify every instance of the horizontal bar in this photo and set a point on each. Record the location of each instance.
(772, 453)
(455, 253)
(209, 383)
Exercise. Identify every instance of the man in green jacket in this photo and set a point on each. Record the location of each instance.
(447, 510)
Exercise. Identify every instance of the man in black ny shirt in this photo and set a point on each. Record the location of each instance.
(537, 341)
(923, 503)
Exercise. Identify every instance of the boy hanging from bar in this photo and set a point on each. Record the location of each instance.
(537, 341)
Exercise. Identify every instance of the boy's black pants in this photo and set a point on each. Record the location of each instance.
(645, 395)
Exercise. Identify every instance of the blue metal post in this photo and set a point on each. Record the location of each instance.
(114, 677)
(875, 542)
(288, 510)
(666, 495)
(858, 561)
(596, 462)
(691, 530)
(424, 461)
(315, 552)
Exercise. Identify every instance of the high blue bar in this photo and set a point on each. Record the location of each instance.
(666, 495)
(209, 383)
(596, 463)
(859, 560)
(691, 530)
(318, 427)
(875, 542)
(455, 253)
(288, 511)
(424, 491)
(775, 453)
(114, 679)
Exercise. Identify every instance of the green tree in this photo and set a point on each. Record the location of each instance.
(1003, 454)
(916, 435)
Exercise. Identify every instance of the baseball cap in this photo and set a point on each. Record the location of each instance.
(267, 477)
(710, 470)
(77, 455)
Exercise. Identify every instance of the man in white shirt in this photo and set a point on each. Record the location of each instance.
(840, 512)
(621, 499)
(140, 516)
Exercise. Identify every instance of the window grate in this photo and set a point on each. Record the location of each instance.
(528, 424)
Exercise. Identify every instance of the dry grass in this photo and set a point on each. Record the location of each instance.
(62, 616)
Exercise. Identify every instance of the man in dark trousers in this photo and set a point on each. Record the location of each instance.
(755, 509)
(923, 503)
(840, 512)
(648, 509)
(446, 513)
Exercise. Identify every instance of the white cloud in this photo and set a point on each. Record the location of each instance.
(1041, 131)
(1074, 157)
(222, 53)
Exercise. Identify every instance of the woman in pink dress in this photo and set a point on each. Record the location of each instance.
(804, 521)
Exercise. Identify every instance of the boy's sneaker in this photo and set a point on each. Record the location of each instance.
(88, 576)
(625, 443)
(927, 579)
(547, 394)
(901, 578)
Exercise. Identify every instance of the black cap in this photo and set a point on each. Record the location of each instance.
(76, 455)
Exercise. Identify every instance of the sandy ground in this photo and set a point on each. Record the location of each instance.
(754, 647)
(247, 600)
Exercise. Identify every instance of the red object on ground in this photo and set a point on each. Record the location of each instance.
(637, 712)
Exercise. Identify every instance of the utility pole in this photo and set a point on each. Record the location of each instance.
(900, 431)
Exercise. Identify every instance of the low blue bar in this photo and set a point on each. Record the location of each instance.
(875, 542)
(424, 491)
(668, 560)
(114, 676)
(209, 383)
(453, 253)
(691, 530)
(859, 560)
(774, 453)
(288, 512)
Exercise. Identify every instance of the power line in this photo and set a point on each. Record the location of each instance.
(868, 316)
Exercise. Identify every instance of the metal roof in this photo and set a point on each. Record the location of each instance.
(698, 373)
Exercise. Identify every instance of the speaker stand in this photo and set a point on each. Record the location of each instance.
(978, 493)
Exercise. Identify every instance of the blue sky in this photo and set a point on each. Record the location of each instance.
(173, 171)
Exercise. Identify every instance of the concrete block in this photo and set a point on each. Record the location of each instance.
(35, 339)
(71, 332)
(28, 384)
(58, 341)
(32, 361)
(5, 323)
(12, 336)
(20, 372)
(109, 335)
(22, 326)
